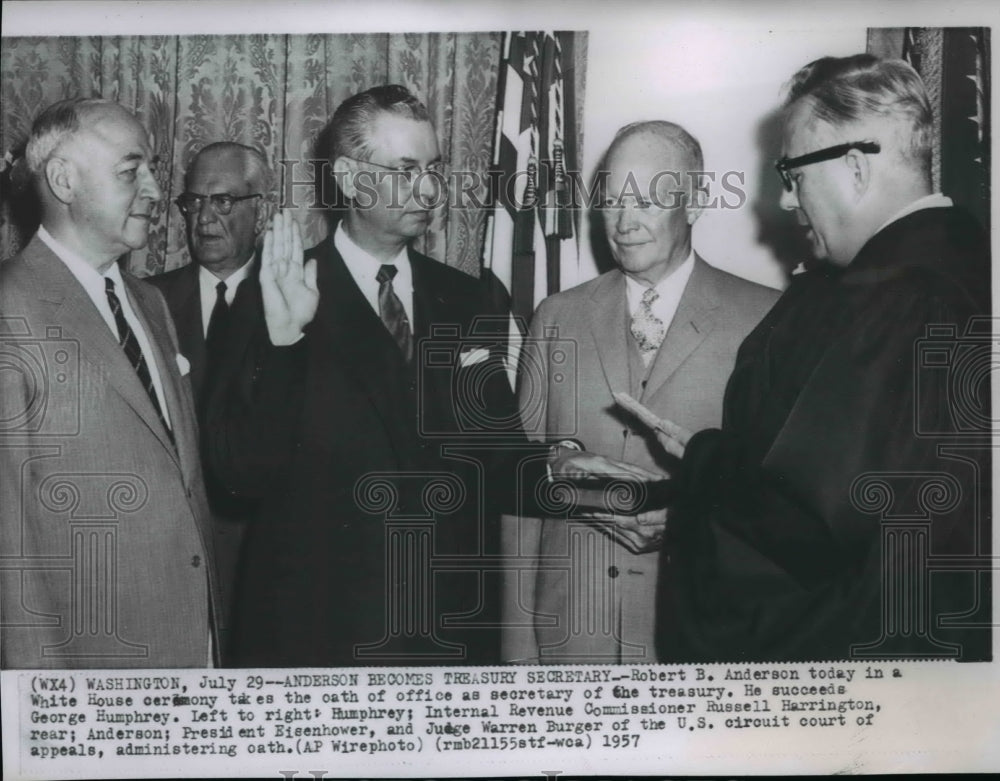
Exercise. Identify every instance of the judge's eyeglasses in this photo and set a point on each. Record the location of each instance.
(786, 164)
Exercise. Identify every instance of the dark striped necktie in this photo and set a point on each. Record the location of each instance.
(390, 309)
(130, 344)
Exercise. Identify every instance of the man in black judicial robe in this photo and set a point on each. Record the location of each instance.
(843, 509)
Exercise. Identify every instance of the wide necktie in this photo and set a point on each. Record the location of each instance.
(217, 322)
(130, 344)
(647, 328)
(390, 309)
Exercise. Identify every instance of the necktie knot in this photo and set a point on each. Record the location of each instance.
(649, 296)
(386, 273)
(220, 291)
(109, 285)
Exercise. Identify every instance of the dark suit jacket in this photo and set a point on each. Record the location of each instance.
(182, 292)
(364, 468)
(107, 518)
(839, 511)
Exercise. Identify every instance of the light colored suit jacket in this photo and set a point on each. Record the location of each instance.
(573, 594)
(107, 556)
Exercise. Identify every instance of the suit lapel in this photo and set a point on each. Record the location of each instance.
(190, 327)
(430, 300)
(357, 333)
(166, 359)
(246, 319)
(72, 308)
(608, 323)
(434, 305)
(694, 319)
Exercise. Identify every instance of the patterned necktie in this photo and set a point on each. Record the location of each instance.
(129, 343)
(390, 309)
(217, 321)
(647, 328)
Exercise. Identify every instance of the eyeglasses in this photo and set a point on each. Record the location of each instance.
(408, 173)
(190, 203)
(786, 164)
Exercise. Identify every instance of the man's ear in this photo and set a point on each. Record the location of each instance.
(343, 173)
(61, 178)
(693, 211)
(859, 167)
(697, 197)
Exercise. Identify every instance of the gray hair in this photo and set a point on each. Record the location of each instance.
(349, 131)
(845, 90)
(257, 170)
(58, 123)
(670, 133)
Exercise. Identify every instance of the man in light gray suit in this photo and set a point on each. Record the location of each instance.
(107, 557)
(663, 327)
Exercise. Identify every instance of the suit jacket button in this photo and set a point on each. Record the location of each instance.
(196, 561)
(612, 571)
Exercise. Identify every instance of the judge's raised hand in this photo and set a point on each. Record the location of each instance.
(672, 438)
(287, 283)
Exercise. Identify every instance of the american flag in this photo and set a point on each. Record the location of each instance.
(531, 242)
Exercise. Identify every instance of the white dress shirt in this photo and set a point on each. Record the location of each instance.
(670, 288)
(206, 286)
(364, 267)
(93, 283)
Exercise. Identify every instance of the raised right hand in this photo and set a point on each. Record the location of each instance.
(287, 283)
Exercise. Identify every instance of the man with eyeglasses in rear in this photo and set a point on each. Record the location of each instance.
(226, 204)
(839, 511)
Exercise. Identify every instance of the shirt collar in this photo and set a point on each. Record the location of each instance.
(677, 279)
(362, 264)
(86, 274)
(207, 279)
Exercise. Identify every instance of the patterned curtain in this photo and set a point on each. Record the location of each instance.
(954, 63)
(272, 91)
